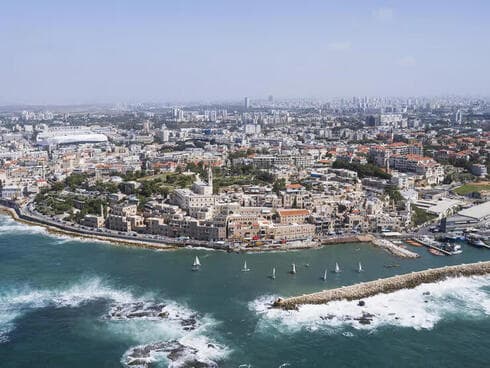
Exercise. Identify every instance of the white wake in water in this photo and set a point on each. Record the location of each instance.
(418, 308)
(139, 320)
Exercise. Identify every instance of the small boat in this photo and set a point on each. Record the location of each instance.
(359, 268)
(324, 277)
(452, 248)
(273, 276)
(475, 240)
(337, 268)
(452, 237)
(391, 265)
(293, 269)
(435, 252)
(196, 265)
(245, 268)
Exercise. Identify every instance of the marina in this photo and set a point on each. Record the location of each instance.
(449, 249)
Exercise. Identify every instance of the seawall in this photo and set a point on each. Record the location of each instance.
(387, 285)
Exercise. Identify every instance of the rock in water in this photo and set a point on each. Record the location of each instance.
(181, 356)
(138, 310)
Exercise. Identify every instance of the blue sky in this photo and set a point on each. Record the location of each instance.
(109, 51)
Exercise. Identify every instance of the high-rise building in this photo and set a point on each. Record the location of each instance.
(458, 117)
(247, 103)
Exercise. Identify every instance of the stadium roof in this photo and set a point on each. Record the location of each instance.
(72, 138)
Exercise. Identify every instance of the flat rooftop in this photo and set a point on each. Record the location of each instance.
(477, 212)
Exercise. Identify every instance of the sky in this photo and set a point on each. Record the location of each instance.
(107, 51)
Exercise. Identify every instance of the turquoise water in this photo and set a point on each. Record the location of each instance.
(55, 294)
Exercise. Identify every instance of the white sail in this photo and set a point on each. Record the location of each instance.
(196, 262)
(274, 273)
(245, 268)
(360, 268)
(293, 268)
(337, 268)
(325, 275)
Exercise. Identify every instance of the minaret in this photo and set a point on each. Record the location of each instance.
(210, 176)
(102, 210)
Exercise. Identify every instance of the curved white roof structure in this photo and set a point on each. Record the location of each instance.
(70, 138)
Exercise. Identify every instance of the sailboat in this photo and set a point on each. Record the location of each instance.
(245, 268)
(196, 265)
(273, 276)
(293, 269)
(324, 277)
(337, 268)
(359, 269)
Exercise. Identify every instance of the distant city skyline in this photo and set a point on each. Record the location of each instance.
(57, 52)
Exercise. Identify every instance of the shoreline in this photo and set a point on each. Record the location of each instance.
(393, 249)
(57, 231)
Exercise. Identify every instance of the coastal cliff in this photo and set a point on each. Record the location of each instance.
(386, 285)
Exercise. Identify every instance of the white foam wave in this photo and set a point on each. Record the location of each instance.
(10, 226)
(16, 302)
(147, 332)
(418, 308)
(180, 323)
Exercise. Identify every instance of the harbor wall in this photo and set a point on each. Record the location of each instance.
(387, 285)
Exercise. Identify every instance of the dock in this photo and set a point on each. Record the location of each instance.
(433, 246)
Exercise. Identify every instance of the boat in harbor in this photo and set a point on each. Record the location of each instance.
(245, 268)
(273, 276)
(452, 248)
(476, 240)
(453, 237)
(337, 268)
(449, 249)
(293, 269)
(435, 252)
(324, 277)
(359, 268)
(196, 266)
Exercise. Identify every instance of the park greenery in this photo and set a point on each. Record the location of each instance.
(421, 216)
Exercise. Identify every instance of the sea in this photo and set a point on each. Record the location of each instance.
(67, 302)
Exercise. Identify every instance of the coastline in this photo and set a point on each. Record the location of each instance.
(57, 231)
(293, 246)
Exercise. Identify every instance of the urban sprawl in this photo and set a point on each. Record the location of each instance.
(256, 173)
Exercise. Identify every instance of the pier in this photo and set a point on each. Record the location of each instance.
(387, 285)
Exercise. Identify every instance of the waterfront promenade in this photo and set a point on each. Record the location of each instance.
(28, 215)
(387, 285)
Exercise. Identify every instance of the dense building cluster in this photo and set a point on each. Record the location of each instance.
(258, 172)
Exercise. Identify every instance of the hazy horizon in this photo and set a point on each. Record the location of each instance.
(59, 53)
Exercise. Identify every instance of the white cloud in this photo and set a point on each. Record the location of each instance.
(383, 14)
(407, 61)
(339, 45)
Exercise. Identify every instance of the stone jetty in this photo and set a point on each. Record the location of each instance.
(387, 285)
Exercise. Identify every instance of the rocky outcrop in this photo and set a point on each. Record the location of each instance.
(152, 311)
(179, 355)
(386, 285)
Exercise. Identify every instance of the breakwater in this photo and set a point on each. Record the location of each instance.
(387, 285)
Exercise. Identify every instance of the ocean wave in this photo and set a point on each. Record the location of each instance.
(138, 319)
(419, 308)
(14, 302)
(10, 226)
